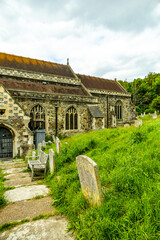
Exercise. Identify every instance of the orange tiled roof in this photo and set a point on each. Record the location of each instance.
(29, 64)
(101, 83)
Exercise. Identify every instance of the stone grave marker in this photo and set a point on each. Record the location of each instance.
(58, 145)
(54, 139)
(44, 144)
(126, 125)
(39, 148)
(138, 123)
(33, 155)
(155, 115)
(51, 160)
(89, 179)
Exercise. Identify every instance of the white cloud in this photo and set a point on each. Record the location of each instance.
(123, 46)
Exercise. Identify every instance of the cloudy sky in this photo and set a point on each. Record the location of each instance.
(105, 38)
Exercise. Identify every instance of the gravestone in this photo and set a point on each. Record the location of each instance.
(58, 145)
(43, 144)
(51, 160)
(155, 115)
(33, 155)
(126, 125)
(54, 139)
(89, 179)
(138, 123)
(39, 148)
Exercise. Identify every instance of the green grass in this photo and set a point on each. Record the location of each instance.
(7, 226)
(3, 201)
(129, 168)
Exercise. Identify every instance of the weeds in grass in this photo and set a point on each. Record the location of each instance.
(39, 197)
(7, 226)
(42, 216)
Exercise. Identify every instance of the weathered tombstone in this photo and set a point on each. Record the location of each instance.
(58, 145)
(89, 179)
(51, 160)
(138, 123)
(49, 142)
(39, 148)
(33, 155)
(43, 143)
(126, 125)
(54, 139)
(155, 115)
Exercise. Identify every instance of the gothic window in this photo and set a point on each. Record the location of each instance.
(71, 119)
(37, 116)
(118, 110)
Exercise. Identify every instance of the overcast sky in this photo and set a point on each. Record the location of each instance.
(105, 38)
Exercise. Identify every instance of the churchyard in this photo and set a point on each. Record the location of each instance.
(120, 200)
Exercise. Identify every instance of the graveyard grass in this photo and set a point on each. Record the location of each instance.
(2, 190)
(128, 160)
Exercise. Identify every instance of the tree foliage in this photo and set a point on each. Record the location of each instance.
(145, 92)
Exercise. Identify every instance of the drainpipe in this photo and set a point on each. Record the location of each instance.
(107, 113)
(56, 108)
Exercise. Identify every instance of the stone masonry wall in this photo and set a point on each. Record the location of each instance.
(14, 119)
(50, 114)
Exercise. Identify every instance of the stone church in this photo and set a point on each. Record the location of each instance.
(39, 95)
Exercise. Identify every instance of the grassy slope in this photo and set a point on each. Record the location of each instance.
(129, 167)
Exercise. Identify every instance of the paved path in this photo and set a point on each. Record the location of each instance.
(30, 200)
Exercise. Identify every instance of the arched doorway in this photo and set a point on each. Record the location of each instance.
(6, 143)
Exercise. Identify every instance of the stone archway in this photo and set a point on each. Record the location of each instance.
(6, 143)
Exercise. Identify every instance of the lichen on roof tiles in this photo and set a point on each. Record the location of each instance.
(29, 64)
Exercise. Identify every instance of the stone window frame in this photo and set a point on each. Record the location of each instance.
(40, 119)
(119, 110)
(77, 112)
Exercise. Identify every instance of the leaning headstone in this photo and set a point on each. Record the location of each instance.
(33, 155)
(58, 145)
(138, 123)
(89, 179)
(39, 148)
(51, 160)
(44, 144)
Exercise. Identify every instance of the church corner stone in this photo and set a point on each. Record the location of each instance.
(90, 180)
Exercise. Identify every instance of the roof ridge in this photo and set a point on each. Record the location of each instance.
(32, 58)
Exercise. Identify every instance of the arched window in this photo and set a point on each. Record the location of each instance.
(71, 119)
(118, 110)
(37, 116)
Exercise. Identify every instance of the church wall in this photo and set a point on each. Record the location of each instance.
(107, 104)
(15, 120)
(84, 118)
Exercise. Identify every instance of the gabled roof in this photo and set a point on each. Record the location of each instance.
(34, 65)
(101, 83)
